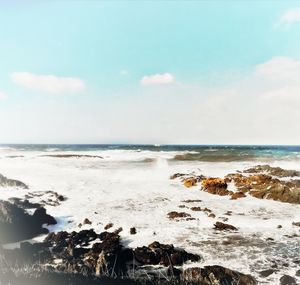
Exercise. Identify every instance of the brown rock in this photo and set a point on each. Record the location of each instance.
(108, 226)
(237, 195)
(176, 215)
(87, 221)
(133, 231)
(222, 226)
(196, 209)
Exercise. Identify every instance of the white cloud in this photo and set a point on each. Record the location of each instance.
(158, 79)
(48, 83)
(289, 17)
(279, 68)
(2, 95)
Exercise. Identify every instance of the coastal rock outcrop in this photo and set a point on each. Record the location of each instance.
(6, 182)
(17, 225)
(217, 275)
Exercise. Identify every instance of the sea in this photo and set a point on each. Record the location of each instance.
(130, 186)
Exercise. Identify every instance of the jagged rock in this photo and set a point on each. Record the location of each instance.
(264, 186)
(217, 275)
(6, 182)
(221, 226)
(17, 225)
(274, 171)
(25, 204)
(216, 186)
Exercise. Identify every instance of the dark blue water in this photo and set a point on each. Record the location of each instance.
(191, 152)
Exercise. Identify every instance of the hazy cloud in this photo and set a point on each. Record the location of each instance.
(48, 83)
(158, 79)
(289, 17)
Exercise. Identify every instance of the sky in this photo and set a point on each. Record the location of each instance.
(169, 72)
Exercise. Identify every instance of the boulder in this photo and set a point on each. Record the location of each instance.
(17, 225)
(224, 227)
(287, 280)
(175, 215)
(216, 275)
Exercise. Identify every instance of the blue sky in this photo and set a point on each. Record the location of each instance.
(149, 71)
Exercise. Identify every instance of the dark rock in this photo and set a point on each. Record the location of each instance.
(86, 221)
(175, 215)
(6, 182)
(25, 204)
(222, 226)
(217, 275)
(287, 280)
(17, 225)
(266, 273)
(132, 231)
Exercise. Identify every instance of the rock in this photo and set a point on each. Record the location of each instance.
(287, 280)
(178, 215)
(17, 225)
(86, 221)
(189, 182)
(296, 224)
(221, 226)
(216, 275)
(108, 226)
(40, 217)
(25, 204)
(6, 182)
(216, 186)
(211, 215)
(266, 273)
(132, 231)
(196, 209)
(298, 273)
(191, 201)
(274, 171)
(177, 175)
(263, 186)
(279, 226)
(237, 195)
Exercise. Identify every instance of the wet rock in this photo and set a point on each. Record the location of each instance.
(298, 273)
(287, 280)
(296, 224)
(108, 226)
(177, 175)
(237, 195)
(6, 182)
(224, 227)
(177, 215)
(191, 201)
(49, 198)
(217, 275)
(86, 221)
(274, 171)
(132, 231)
(189, 182)
(25, 204)
(279, 227)
(266, 273)
(17, 225)
(212, 215)
(216, 186)
(196, 209)
(264, 186)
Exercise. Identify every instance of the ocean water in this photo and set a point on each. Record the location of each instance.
(129, 185)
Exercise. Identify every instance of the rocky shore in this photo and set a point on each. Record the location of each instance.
(91, 256)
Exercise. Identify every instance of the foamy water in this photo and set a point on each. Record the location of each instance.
(131, 187)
